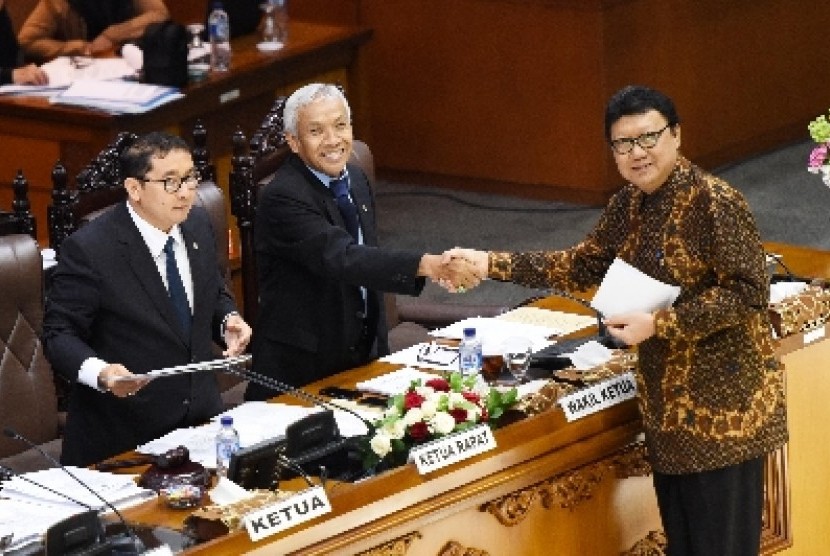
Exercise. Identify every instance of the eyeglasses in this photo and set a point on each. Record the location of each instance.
(437, 354)
(625, 145)
(172, 184)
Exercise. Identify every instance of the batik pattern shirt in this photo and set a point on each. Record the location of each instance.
(711, 390)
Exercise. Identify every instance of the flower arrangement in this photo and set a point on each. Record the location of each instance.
(431, 410)
(819, 162)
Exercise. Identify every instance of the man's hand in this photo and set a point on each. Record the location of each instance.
(29, 75)
(115, 378)
(631, 328)
(478, 259)
(237, 336)
(456, 275)
(101, 46)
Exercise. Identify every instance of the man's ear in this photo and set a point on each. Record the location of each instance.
(133, 187)
(292, 142)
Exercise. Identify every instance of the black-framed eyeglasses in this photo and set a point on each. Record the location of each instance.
(625, 145)
(172, 184)
(437, 354)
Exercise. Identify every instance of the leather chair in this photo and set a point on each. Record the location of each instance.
(99, 186)
(252, 165)
(28, 402)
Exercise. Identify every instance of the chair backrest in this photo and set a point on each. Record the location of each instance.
(28, 402)
(99, 186)
(252, 165)
(20, 219)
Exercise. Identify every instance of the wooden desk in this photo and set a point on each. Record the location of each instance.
(36, 134)
(557, 487)
(549, 481)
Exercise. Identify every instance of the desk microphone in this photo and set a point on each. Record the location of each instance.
(300, 434)
(603, 337)
(133, 544)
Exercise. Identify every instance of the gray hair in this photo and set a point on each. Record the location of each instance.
(306, 95)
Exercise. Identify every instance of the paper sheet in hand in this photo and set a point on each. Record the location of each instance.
(626, 289)
(212, 365)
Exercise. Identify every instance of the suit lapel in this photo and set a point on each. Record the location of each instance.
(144, 268)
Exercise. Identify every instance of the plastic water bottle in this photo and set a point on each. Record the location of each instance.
(227, 444)
(219, 31)
(469, 353)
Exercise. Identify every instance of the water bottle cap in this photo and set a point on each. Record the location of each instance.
(469, 332)
(226, 420)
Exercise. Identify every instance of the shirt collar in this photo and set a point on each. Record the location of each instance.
(153, 237)
(325, 179)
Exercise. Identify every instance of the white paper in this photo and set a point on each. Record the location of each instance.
(493, 331)
(27, 522)
(228, 492)
(779, 291)
(121, 97)
(119, 490)
(560, 321)
(65, 70)
(443, 358)
(589, 355)
(626, 289)
(395, 382)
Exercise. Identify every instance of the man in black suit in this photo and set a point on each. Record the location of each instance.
(321, 272)
(119, 307)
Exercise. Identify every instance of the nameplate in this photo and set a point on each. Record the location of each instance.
(599, 396)
(452, 449)
(813, 335)
(302, 507)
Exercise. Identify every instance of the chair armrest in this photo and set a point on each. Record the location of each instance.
(436, 315)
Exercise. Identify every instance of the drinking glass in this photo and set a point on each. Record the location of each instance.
(274, 25)
(516, 351)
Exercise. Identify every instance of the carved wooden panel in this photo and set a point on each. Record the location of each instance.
(453, 548)
(395, 547)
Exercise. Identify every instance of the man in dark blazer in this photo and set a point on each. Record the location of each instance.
(320, 284)
(110, 319)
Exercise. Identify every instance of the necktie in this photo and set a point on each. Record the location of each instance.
(340, 188)
(175, 288)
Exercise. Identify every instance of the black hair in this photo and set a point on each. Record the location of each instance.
(137, 159)
(638, 99)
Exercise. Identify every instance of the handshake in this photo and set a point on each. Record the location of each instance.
(456, 270)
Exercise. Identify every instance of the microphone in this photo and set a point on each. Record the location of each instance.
(133, 544)
(569, 345)
(300, 436)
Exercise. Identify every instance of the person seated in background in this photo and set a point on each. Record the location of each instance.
(86, 27)
(321, 272)
(10, 68)
(139, 289)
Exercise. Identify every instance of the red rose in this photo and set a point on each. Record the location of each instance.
(439, 384)
(418, 431)
(471, 397)
(412, 400)
(460, 415)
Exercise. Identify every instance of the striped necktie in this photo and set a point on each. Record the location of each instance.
(175, 288)
(340, 188)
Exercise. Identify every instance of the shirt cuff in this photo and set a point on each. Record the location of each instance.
(225, 322)
(89, 371)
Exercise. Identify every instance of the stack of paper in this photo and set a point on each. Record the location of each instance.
(396, 382)
(117, 97)
(118, 490)
(493, 331)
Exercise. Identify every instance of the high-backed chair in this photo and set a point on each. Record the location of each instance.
(252, 166)
(99, 186)
(28, 402)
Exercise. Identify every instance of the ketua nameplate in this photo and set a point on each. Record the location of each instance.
(599, 396)
(302, 507)
(452, 449)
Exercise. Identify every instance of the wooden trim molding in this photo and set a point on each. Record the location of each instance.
(776, 530)
(569, 489)
(653, 544)
(395, 547)
(453, 548)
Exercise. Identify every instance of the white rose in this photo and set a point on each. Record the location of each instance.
(429, 407)
(442, 423)
(455, 399)
(395, 429)
(413, 416)
(381, 444)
